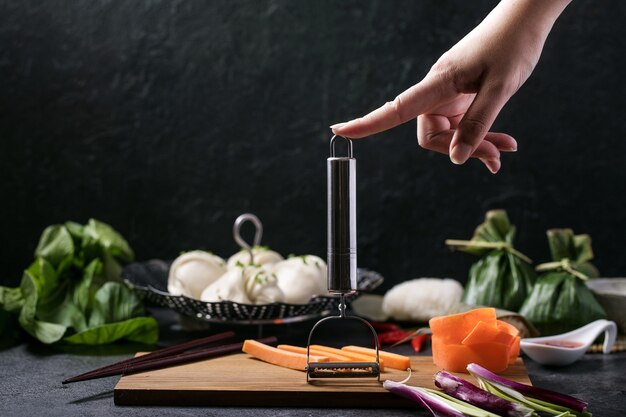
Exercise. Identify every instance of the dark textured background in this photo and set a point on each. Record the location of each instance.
(167, 119)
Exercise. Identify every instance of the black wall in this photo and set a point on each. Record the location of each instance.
(167, 119)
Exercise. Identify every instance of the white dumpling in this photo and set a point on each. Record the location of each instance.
(262, 256)
(230, 287)
(301, 277)
(262, 286)
(422, 299)
(193, 271)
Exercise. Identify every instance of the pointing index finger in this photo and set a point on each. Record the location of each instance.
(427, 94)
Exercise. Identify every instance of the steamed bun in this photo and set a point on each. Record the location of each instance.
(230, 287)
(246, 285)
(301, 277)
(262, 256)
(262, 286)
(193, 271)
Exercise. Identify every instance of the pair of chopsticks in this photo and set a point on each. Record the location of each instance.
(170, 356)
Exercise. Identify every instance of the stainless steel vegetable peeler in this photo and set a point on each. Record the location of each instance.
(341, 258)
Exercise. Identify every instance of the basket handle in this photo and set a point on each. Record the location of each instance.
(258, 234)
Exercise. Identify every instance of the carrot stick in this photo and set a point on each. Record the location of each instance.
(331, 356)
(393, 360)
(352, 355)
(280, 357)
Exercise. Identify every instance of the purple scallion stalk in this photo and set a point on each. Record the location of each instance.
(529, 391)
(436, 406)
(465, 391)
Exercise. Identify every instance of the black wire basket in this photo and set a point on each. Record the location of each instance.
(149, 280)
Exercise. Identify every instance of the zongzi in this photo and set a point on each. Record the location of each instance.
(560, 301)
(503, 277)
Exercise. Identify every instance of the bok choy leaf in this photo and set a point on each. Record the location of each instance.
(72, 291)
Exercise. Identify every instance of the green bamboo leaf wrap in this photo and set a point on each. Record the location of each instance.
(560, 301)
(503, 277)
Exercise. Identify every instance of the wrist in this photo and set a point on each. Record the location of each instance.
(539, 15)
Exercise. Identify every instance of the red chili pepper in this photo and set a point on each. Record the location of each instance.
(384, 327)
(389, 338)
(418, 341)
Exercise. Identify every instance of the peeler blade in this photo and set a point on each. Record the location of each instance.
(343, 370)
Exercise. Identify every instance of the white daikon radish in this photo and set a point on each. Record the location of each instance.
(422, 299)
(193, 271)
(301, 277)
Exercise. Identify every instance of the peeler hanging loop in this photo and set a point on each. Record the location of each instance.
(332, 146)
(258, 234)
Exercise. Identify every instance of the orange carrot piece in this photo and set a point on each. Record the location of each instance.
(513, 331)
(352, 355)
(313, 352)
(392, 360)
(475, 336)
(514, 350)
(486, 333)
(509, 328)
(493, 356)
(279, 357)
(455, 327)
(455, 357)
(452, 357)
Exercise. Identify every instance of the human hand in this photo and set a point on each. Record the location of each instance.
(461, 96)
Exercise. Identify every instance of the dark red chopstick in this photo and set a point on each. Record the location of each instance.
(168, 361)
(168, 351)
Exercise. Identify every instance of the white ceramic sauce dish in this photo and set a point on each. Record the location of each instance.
(564, 349)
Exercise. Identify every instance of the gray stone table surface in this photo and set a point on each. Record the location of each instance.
(31, 375)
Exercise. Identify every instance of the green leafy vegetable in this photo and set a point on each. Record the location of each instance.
(11, 299)
(46, 332)
(139, 329)
(11, 302)
(111, 242)
(503, 277)
(560, 301)
(114, 302)
(72, 291)
(55, 245)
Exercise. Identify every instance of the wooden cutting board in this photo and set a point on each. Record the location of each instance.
(240, 380)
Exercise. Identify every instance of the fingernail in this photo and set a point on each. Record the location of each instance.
(337, 125)
(460, 153)
(493, 166)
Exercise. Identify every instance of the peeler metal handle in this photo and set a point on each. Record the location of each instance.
(341, 220)
(341, 194)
